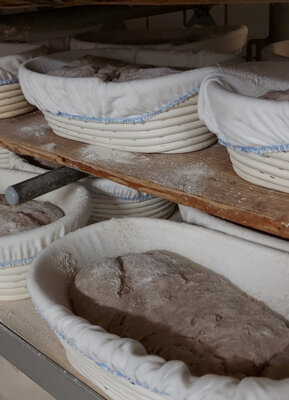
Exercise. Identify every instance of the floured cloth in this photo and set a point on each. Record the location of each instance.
(109, 70)
(30, 164)
(180, 310)
(27, 216)
(260, 271)
(136, 96)
(12, 55)
(253, 121)
(197, 217)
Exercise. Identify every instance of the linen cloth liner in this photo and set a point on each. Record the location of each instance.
(230, 105)
(12, 55)
(104, 188)
(73, 199)
(197, 217)
(123, 102)
(230, 256)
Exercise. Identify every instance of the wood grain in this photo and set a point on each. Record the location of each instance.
(204, 179)
(68, 3)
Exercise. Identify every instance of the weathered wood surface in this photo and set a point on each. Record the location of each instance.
(204, 179)
(68, 3)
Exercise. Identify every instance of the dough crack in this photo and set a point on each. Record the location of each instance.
(123, 287)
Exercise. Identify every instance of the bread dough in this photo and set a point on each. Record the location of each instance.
(278, 367)
(30, 215)
(180, 310)
(109, 70)
(278, 95)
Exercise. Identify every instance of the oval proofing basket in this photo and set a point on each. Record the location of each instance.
(121, 367)
(178, 130)
(269, 170)
(17, 251)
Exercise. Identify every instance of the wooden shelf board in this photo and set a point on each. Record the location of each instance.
(204, 179)
(69, 3)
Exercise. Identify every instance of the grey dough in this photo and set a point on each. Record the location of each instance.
(180, 310)
(278, 366)
(27, 216)
(109, 70)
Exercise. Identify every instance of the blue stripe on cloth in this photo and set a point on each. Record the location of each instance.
(101, 364)
(7, 81)
(16, 263)
(131, 120)
(257, 150)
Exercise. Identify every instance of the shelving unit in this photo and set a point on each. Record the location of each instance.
(204, 180)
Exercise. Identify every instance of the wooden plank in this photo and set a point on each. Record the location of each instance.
(204, 179)
(57, 22)
(62, 3)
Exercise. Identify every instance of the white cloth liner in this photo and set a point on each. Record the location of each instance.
(12, 55)
(124, 102)
(258, 270)
(19, 163)
(223, 39)
(278, 51)
(197, 217)
(20, 248)
(249, 123)
(104, 188)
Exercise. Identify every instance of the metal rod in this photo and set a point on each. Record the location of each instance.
(42, 370)
(42, 184)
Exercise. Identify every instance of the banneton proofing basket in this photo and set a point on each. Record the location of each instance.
(120, 366)
(223, 39)
(113, 200)
(12, 100)
(18, 251)
(151, 115)
(12, 55)
(278, 51)
(254, 130)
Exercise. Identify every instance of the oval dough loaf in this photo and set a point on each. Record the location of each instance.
(180, 310)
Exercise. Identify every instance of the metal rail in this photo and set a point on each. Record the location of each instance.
(58, 382)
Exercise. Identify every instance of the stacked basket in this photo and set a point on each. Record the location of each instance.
(12, 100)
(255, 127)
(113, 200)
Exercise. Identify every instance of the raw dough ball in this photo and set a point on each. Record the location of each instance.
(109, 70)
(278, 95)
(181, 311)
(30, 215)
